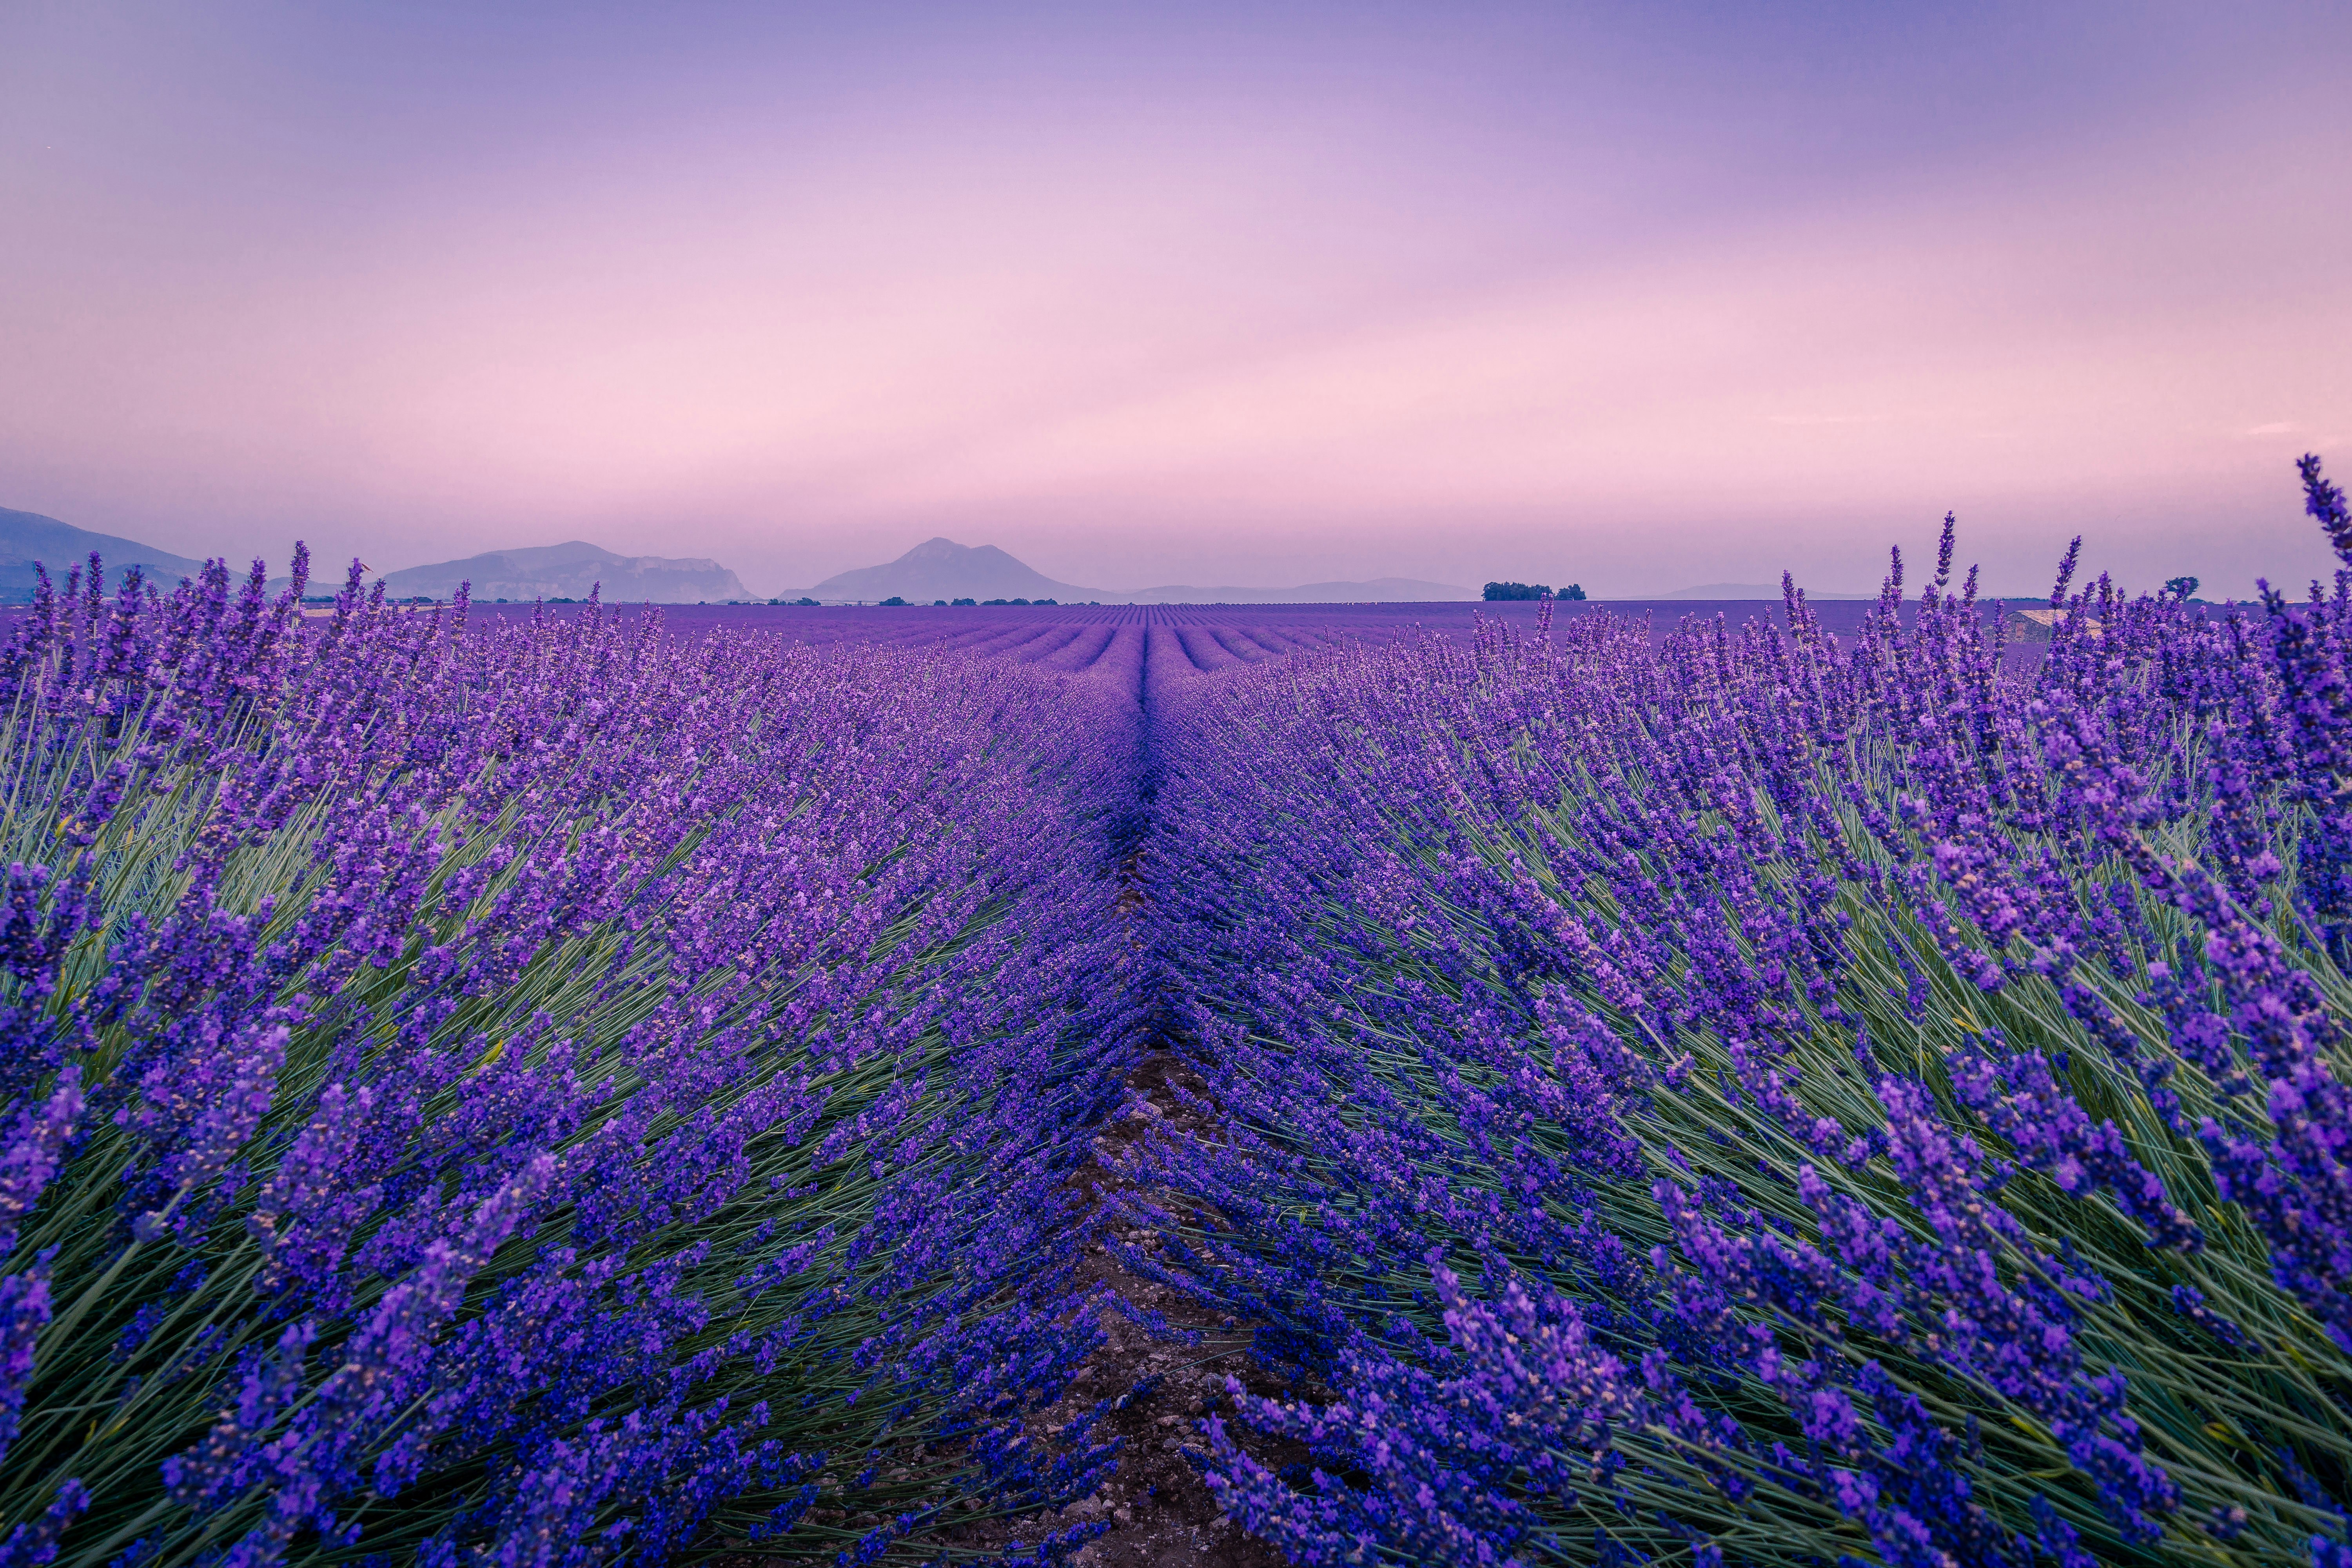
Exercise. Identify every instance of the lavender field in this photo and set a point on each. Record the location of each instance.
(1783, 1084)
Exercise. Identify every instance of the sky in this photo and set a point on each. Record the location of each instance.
(1638, 296)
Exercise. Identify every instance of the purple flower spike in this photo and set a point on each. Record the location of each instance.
(30, 1150)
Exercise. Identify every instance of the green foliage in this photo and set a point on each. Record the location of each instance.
(626, 888)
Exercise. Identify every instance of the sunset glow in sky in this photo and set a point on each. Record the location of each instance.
(1642, 296)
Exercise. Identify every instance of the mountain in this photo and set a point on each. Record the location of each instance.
(942, 569)
(567, 572)
(27, 537)
(1748, 591)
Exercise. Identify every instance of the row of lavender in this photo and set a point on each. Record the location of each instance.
(554, 1094)
(1777, 1098)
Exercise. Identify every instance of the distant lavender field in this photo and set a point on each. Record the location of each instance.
(1209, 636)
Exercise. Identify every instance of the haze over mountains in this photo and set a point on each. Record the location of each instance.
(938, 568)
(935, 569)
(544, 572)
(27, 537)
(942, 569)
(571, 571)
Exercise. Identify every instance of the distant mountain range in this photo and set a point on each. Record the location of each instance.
(545, 571)
(27, 537)
(935, 569)
(942, 569)
(569, 571)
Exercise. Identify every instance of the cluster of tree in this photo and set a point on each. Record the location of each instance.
(1531, 591)
(2180, 587)
(811, 602)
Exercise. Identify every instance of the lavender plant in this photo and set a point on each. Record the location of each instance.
(1772, 1098)
(558, 1094)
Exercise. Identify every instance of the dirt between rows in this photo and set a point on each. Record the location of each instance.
(1160, 1510)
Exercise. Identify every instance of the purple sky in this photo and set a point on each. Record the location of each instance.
(1639, 296)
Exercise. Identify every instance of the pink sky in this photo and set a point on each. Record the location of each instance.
(1642, 298)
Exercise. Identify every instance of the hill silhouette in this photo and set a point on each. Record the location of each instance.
(941, 569)
(569, 571)
(27, 537)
